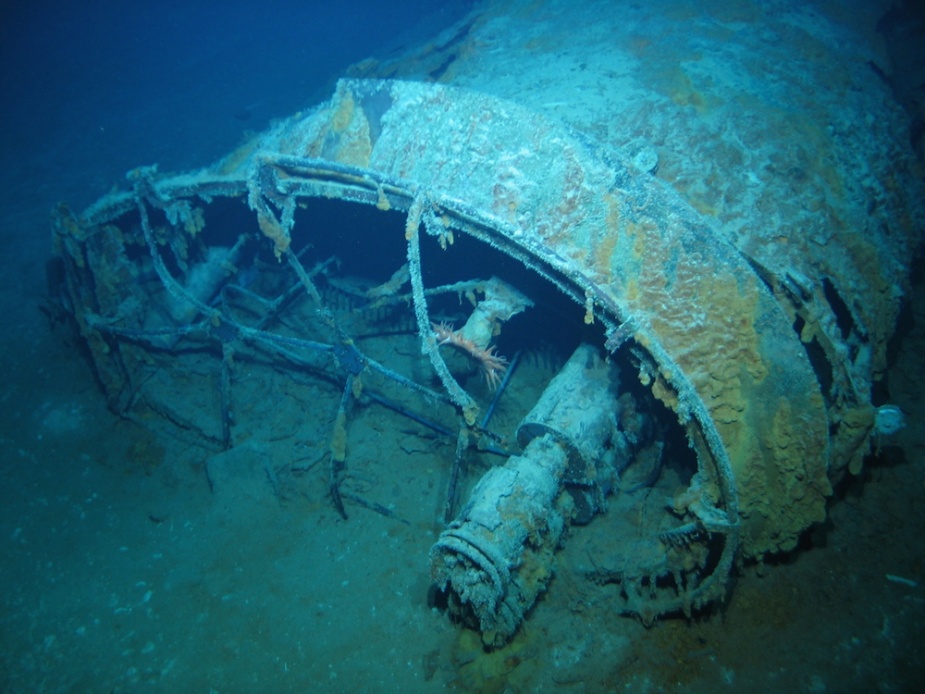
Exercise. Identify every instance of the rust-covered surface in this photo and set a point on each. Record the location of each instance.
(775, 123)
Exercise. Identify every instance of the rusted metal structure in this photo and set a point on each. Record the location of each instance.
(750, 306)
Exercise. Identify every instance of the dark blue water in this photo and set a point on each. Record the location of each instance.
(92, 89)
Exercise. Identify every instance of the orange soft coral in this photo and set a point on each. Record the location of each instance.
(493, 366)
